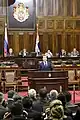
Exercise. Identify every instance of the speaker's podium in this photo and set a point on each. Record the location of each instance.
(48, 79)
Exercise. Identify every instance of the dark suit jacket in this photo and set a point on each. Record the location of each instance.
(10, 102)
(21, 53)
(41, 105)
(32, 114)
(3, 110)
(46, 67)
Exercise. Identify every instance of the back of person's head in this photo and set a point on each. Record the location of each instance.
(56, 110)
(27, 102)
(68, 96)
(11, 93)
(32, 93)
(43, 93)
(1, 97)
(16, 109)
(17, 97)
(53, 94)
(62, 98)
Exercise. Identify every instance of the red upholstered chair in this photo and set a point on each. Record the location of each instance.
(72, 79)
(10, 82)
(22, 83)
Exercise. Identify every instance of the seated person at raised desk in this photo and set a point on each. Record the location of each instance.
(74, 53)
(23, 53)
(45, 65)
(62, 53)
(10, 52)
(49, 54)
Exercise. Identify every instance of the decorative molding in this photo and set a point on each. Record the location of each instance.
(77, 24)
(2, 26)
(69, 24)
(50, 24)
(41, 23)
(59, 24)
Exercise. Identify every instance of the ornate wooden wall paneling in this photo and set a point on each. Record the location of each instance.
(45, 42)
(31, 41)
(41, 41)
(77, 40)
(16, 42)
(26, 41)
(50, 41)
(21, 41)
(55, 32)
(11, 40)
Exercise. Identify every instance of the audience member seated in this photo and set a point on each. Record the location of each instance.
(53, 95)
(68, 98)
(56, 111)
(71, 106)
(45, 65)
(23, 53)
(67, 111)
(42, 103)
(11, 52)
(32, 114)
(32, 94)
(62, 53)
(10, 98)
(49, 54)
(3, 110)
(17, 97)
(16, 112)
(74, 53)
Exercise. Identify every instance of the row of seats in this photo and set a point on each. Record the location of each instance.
(74, 78)
(9, 80)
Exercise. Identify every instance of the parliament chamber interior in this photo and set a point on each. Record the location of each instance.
(39, 59)
(40, 46)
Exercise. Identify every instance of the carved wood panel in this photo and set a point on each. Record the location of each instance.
(69, 24)
(50, 24)
(41, 23)
(77, 24)
(59, 24)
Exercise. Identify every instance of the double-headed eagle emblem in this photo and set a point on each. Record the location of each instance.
(20, 12)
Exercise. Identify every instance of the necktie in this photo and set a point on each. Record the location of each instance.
(45, 63)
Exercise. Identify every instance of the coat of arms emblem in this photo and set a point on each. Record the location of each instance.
(20, 12)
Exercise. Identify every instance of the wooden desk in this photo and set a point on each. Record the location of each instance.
(66, 67)
(73, 74)
(31, 62)
(48, 79)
